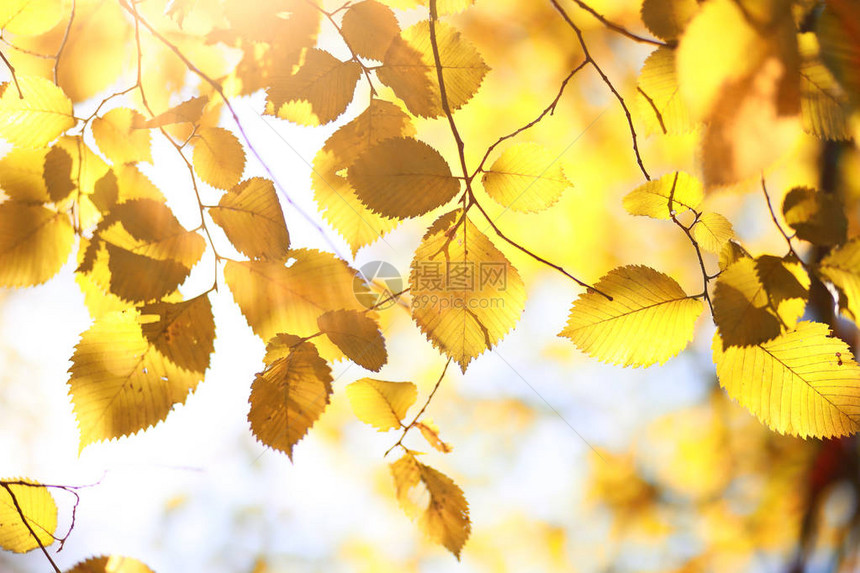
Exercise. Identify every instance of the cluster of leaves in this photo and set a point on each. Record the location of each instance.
(72, 180)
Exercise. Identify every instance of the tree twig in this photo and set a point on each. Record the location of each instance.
(14, 76)
(617, 28)
(24, 519)
(411, 424)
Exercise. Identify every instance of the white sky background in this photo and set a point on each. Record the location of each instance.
(236, 500)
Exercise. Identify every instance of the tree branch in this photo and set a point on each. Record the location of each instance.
(617, 28)
(14, 76)
(23, 517)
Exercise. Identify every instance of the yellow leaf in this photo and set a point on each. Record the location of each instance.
(840, 44)
(334, 194)
(825, 108)
(188, 111)
(712, 231)
(324, 82)
(815, 216)
(443, 513)
(381, 404)
(120, 382)
(670, 195)
(369, 28)
(525, 178)
(805, 382)
(731, 252)
(184, 332)
(30, 17)
(668, 18)
(22, 175)
(430, 431)
(275, 297)
(465, 294)
(36, 504)
(842, 267)
(58, 174)
(219, 158)
(251, 216)
(112, 564)
(658, 96)
(409, 69)
(290, 394)
(38, 119)
(117, 138)
(357, 336)
(34, 243)
(402, 177)
(650, 318)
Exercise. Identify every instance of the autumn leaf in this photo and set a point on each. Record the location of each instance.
(120, 382)
(188, 111)
(22, 175)
(805, 382)
(525, 178)
(111, 564)
(381, 404)
(840, 44)
(369, 28)
(658, 95)
(251, 217)
(290, 394)
(430, 431)
(32, 500)
(433, 498)
(117, 138)
(842, 268)
(668, 18)
(466, 294)
(40, 117)
(357, 335)
(669, 195)
(34, 243)
(58, 174)
(712, 231)
(218, 157)
(30, 17)
(825, 107)
(649, 319)
(815, 216)
(184, 332)
(402, 177)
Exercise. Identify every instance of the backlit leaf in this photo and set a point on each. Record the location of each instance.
(731, 252)
(30, 17)
(825, 107)
(290, 394)
(658, 96)
(668, 18)
(38, 119)
(117, 138)
(356, 335)
(805, 382)
(842, 267)
(323, 81)
(120, 382)
(712, 231)
(410, 70)
(219, 158)
(188, 111)
(649, 320)
(251, 217)
(38, 508)
(840, 43)
(22, 175)
(111, 564)
(34, 243)
(402, 178)
(526, 178)
(442, 510)
(466, 294)
(381, 404)
(58, 174)
(815, 216)
(184, 332)
(332, 190)
(369, 27)
(673, 193)
(430, 431)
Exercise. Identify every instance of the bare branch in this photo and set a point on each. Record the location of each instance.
(14, 77)
(617, 28)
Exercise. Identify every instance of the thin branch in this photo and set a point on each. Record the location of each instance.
(616, 27)
(776, 222)
(424, 407)
(14, 76)
(606, 81)
(64, 42)
(28, 526)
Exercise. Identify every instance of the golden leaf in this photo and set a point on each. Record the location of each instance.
(111, 564)
(58, 174)
(525, 178)
(815, 216)
(22, 175)
(38, 507)
(381, 404)
(840, 44)
(275, 297)
(120, 382)
(409, 69)
(369, 28)
(188, 111)
(29, 17)
(184, 332)
(34, 243)
(712, 231)
(356, 335)
(824, 105)
(668, 18)
(251, 217)
(118, 139)
(842, 268)
(731, 252)
(430, 431)
(337, 199)
(442, 512)
(465, 294)
(658, 96)
(649, 320)
(324, 82)
(219, 158)
(290, 394)
(805, 382)
(661, 198)
(402, 177)
(106, 193)
(40, 117)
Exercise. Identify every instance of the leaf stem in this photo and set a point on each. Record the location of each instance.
(14, 76)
